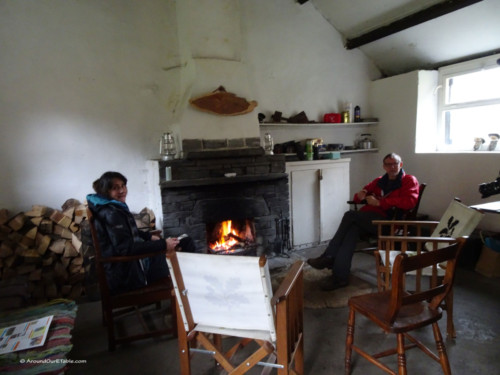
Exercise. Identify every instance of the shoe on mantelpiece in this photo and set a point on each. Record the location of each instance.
(321, 262)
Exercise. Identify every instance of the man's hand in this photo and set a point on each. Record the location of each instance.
(372, 201)
(361, 194)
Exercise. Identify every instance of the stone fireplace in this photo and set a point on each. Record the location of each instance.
(236, 187)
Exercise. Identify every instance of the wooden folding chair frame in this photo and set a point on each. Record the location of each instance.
(287, 351)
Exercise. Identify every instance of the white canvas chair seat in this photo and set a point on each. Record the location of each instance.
(227, 295)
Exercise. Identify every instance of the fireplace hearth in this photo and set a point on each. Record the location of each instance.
(200, 198)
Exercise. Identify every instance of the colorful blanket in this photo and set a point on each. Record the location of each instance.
(49, 359)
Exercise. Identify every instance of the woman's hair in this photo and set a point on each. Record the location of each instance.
(103, 184)
(392, 155)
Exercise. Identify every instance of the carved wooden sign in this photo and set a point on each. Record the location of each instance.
(221, 102)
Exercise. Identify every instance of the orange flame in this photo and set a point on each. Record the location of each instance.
(225, 242)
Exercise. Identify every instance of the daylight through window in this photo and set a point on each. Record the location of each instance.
(469, 106)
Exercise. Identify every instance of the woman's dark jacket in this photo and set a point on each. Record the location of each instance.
(118, 236)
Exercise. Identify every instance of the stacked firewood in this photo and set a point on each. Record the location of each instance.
(42, 249)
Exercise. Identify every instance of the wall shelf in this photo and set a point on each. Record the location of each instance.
(317, 124)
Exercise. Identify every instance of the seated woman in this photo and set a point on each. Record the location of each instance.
(119, 236)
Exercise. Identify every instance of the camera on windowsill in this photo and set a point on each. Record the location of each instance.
(488, 189)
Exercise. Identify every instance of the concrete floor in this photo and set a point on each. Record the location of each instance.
(474, 351)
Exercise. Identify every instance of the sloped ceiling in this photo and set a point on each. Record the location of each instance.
(466, 33)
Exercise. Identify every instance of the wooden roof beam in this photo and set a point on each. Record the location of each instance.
(414, 19)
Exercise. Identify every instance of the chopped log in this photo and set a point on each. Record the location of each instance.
(48, 276)
(8, 273)
(36, 220)
(74, 268)
(51, 291)
(74, 227)
(70, 203)
(17, 222)
(77, 260)
(4, 216)
(80, 213)
(4, 230)
(60, 272)
(65, 261)
(25, 269)
(31, 234)
(69, 250)
(27, 242)
(47, 226)
(38, 291)
(61, 219)
(69, 212)
(58, 246)
(76, 291)
(47, 261)
(35, 275)
(42, 243)
(76, 242)
(62, 232)
(29, 253)
(11, 261)
(36, 210)
(77, 277)
(15, 236)
(6, 249)
(66, 290)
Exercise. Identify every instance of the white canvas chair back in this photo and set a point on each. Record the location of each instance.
(225, 295)
(458, 221)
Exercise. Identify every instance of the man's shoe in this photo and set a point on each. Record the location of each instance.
(321, 262)
(332, 283)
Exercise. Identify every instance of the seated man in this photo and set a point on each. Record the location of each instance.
(395, 189)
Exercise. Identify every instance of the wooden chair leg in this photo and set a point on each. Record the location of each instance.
(450, 326)
(401, 354)
(443, 356)
(184, 355)
(108, 317)
(349, 341)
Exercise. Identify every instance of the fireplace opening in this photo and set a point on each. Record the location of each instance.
(236, 236)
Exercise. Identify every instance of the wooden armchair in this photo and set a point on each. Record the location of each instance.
(231, 296)
(397, 214)
(419, 237)
(115, 306)
(399, 311)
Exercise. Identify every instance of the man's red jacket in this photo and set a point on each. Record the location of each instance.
(404, 198)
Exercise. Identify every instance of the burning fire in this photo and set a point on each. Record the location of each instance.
(230, 238)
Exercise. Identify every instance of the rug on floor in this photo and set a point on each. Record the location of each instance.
(315, 298)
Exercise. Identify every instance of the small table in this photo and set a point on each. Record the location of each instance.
(492, 207)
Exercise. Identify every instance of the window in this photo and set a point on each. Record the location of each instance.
(469, 105)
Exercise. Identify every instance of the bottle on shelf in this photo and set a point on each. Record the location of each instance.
(357, 114)
(347, 114)
(309, 149)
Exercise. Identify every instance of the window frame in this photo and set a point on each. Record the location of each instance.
(443, 126)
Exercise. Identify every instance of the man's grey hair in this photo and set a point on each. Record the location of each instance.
(392, 155)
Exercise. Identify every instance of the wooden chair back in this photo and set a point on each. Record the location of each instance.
(400, 311)
(436, 292)
(116, 305)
